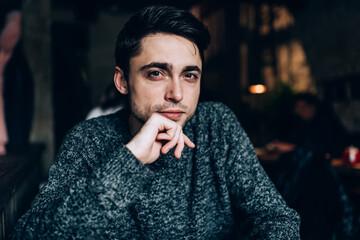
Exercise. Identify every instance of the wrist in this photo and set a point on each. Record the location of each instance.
(132, 148)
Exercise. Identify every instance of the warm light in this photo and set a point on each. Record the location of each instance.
(257, 89)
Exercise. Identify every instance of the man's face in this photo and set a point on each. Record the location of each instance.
(164, 78)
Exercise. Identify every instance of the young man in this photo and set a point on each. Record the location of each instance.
(166, 168)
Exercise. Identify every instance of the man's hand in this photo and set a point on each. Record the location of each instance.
(158, 135)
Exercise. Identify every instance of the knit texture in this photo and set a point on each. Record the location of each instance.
(98, 190)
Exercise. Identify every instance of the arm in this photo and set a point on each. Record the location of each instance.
(8, 39)
(9, 36)
(85, 197)
(89, 197)
(262, 211)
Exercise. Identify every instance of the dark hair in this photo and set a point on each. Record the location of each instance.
(158, 19)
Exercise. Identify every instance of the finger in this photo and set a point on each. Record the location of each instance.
(180, 146)
(188, 142)
(163, 136)
(169, 145)
(173, 141)
(165, 125)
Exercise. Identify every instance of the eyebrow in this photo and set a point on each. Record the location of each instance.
(164, 66)
(169, 67)
(192, 68)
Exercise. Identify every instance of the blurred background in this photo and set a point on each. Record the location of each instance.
(283, 47)
(288, 46)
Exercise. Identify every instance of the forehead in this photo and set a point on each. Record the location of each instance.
(167, 48)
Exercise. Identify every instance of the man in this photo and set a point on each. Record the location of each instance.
(16, 84)
(166, 168)
(10, 32)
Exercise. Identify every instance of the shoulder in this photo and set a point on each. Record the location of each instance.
(91, 125)
(94, 138)
(214, 110)
(213, 107)
(216, 121)
(99, 129)
(215, 113)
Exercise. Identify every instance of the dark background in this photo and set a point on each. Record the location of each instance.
(290, 46)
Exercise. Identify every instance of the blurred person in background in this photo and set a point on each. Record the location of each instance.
(313, 126)
(16, 85)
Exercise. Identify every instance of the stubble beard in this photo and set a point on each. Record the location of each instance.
(142, 115)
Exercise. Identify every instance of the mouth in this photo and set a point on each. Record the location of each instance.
(172, 114)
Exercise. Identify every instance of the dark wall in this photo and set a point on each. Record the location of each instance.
(329, 31)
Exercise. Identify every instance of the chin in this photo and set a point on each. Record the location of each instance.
(183, 122)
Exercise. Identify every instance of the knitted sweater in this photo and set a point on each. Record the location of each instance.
(98, 190)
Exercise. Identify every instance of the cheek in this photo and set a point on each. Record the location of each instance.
(192, 94)
(146, 97)
(139, 92)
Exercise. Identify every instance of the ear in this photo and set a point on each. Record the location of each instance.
(120, 82)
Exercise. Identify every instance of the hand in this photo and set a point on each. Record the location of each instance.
(158, 135)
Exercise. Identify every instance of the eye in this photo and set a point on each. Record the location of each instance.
(191, 76)
(155, 75)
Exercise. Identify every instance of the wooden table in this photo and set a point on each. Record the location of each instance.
(20, 176)
(344, 168)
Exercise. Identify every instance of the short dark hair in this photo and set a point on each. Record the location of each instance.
(158, 19)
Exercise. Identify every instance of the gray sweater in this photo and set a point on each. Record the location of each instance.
(98, 190)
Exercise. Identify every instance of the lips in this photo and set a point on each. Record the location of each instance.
(172, 114)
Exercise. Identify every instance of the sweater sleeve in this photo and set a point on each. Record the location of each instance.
(85, 197)
(262, 211)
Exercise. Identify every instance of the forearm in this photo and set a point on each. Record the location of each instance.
(264, 214)
(11, 32)
(91, 204)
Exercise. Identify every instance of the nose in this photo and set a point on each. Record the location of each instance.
(174, 91)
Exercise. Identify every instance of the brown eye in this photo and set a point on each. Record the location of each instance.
(191, 76)
(155, 75)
